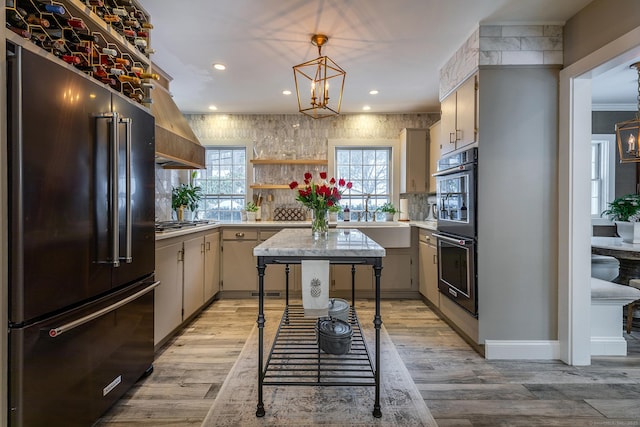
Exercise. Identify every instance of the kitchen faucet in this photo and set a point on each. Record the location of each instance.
(366, 208)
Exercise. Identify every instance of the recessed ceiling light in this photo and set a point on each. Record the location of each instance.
(373, 92)
(212, 107)
(366, 108)
(220, 67)
(286, 92)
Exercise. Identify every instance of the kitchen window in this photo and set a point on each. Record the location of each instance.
(223, 182)
(371, 168)
(602, 172)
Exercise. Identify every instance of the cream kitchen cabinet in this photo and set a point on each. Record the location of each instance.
(459, 117)
(168, 295)
(435, 137)
(188, 279)
(429, 267)
(414, 161)
(275, 274)
(396, 271)
(340, 277)
(211, 265)
(193, 285)
(239, 271)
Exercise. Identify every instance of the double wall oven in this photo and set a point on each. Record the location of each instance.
(457, 235)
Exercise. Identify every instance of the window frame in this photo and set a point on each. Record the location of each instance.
(247, 145)
(607, 171)
(394, 172)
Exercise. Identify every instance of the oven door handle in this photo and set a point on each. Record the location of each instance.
(458, 241)
(461, 168)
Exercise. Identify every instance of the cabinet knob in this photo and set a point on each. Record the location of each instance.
(239, 234)
(458, 134)
(452, 139)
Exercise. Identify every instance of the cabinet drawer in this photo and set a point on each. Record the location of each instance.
(239, 234)
(265, 234)
(427, 237)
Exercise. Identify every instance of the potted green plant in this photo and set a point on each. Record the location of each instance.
(334, 210)
(185, 196)
(625, 213)
(389, 211)
(251, 209)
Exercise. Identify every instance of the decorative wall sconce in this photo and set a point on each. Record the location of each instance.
(628, 133)
(316, 80)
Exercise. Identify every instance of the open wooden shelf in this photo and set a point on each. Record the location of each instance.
(270, 186)
(289, 161)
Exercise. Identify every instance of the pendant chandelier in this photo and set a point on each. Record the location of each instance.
(319, 83)
(628, 133)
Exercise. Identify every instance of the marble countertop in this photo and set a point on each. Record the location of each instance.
(344, 242)
(429, 225)
(614, 244)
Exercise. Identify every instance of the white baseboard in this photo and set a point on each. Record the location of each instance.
(608, 346)
(522, 350)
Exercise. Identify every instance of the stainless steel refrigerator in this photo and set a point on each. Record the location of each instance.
(81, 235)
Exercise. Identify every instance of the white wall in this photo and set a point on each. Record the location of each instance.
(517, 202)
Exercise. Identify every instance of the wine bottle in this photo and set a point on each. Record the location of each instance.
(71, 59)
(122, 61)
(119, 11)
(129, 79)
(152, 76)
(147, 25)
(76, 23)
(111, 19)
(19, 31)
(36, 20)
(51, 8)
(17, 17)
(133, 23)
(96, 3)
(130, 34)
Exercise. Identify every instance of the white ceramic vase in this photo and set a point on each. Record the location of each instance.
(388, 216)
(251, 216)
(629, 231)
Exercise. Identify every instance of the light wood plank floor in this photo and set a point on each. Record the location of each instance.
(460, 387)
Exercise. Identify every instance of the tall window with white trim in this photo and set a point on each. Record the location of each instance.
(369, 170)
(223, 182)
(602, 171)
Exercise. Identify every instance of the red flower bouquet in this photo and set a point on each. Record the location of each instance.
(318, 197)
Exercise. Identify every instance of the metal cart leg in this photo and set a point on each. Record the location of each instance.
(261, 267)
(377, 323)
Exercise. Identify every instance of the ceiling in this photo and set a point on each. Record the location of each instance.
(396, 47)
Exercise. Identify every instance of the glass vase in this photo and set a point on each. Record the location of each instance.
(320, 223)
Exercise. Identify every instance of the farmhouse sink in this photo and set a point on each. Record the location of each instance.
(388, 234)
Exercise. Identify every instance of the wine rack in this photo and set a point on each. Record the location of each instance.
(106, 39)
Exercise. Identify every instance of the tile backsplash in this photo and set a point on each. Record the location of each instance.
(289, 136)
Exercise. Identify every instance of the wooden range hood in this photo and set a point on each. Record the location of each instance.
(177, 147)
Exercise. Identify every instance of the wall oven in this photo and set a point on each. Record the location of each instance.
(456, 206)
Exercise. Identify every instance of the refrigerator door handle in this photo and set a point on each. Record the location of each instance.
(127, 256)
(56, 332)
(114, 259)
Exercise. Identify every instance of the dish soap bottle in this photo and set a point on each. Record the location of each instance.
(346, 214)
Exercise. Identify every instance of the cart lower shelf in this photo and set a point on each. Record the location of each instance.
(296, 359)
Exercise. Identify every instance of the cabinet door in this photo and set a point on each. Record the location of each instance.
(168, 295)
(435, 138)
(429, 272)
(396, 272)
(448, 124)
(341, 277)
(413, 169)
(466, 113)
(211, 265)
(239, 271)
(193, 296)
